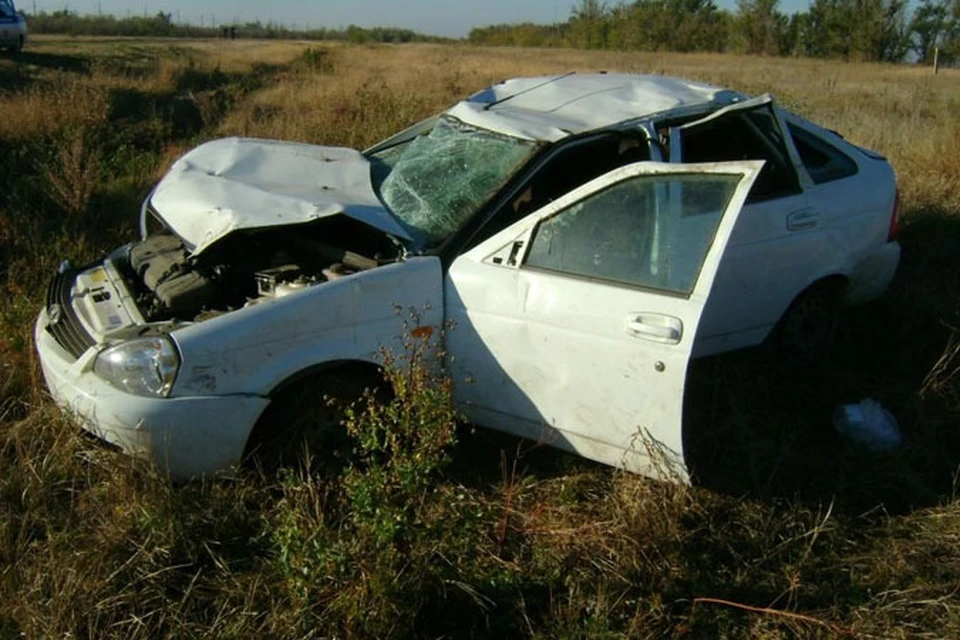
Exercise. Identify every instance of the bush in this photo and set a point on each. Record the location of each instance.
(369, 552)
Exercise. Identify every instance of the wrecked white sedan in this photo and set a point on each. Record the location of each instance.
(570, 227)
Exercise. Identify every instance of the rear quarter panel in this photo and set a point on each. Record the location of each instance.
(766, 266)
(857, 209)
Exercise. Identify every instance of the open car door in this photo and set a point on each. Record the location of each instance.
(574, 326)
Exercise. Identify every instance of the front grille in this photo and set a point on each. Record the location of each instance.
(63, 323)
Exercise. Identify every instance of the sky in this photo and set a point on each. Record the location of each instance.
(436, 17)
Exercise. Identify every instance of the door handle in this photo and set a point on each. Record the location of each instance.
(655, 327)
(802, 219)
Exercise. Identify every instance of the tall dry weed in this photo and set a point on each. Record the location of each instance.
(73, 174)
(65, 101)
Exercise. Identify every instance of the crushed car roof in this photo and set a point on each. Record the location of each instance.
(553, 107)
(237, 183)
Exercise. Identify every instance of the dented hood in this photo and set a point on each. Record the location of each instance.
(238, 183)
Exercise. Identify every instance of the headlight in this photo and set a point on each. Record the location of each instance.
(143, 367)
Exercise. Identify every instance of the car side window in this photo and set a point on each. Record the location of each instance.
(650, 231)
(6, 9)
(567, 169)
(823, 161)
(752, 135)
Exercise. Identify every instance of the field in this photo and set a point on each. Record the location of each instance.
(788, 533)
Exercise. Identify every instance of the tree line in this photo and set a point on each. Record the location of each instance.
(867, 30)
(65, 22)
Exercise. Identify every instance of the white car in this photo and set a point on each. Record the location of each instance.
(571, 228)
(13, 27)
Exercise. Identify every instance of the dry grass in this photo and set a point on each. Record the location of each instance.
(790, 533)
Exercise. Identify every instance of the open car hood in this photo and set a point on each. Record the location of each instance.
(237, 183)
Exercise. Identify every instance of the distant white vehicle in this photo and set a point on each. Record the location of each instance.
(571, 228)
(13, 27)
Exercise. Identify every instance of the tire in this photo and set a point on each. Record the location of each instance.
(807, 331)
(303, 425)
(15, 48)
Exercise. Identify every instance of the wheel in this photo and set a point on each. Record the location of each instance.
(304, 422)
(808, 329)
(16, 47)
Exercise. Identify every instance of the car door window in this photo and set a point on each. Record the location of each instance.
(823, 161)
(646, 231)
(748, 135)
(6, 9)
(568, 168)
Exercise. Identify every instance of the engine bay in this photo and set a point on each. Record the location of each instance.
(248, 267)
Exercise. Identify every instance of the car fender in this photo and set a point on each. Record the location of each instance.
(255, 349)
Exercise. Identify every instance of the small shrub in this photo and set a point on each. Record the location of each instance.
(316, 60)
(74, 172)
(368, 545)
(402, 445)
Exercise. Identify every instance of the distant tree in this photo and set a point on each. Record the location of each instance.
(936, 23)
(679, 25)
(589, 24)
(879, 31)
(952, 40)
(790, 38)
(826, 31)
(161, 24)
(928, 27)
(872, 30)
(759, 27)
(521, 35)
(895, 41)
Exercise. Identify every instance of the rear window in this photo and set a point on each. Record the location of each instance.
(823, 161)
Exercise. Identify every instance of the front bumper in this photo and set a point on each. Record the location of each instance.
(186, 437)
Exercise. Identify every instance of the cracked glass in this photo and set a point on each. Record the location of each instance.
(436, 182)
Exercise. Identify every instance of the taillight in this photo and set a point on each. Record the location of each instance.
(894, 231)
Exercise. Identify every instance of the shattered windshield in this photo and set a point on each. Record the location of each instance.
(435, 182)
